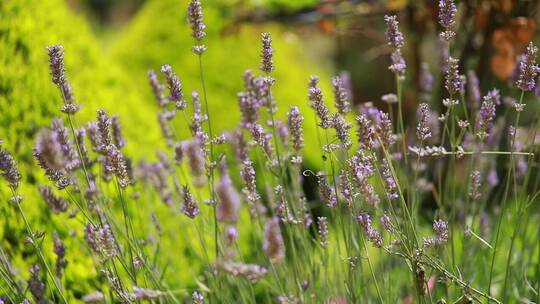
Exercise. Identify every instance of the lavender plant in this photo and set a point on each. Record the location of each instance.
(366, 231)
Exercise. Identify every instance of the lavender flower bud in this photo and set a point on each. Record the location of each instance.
(262, 138)
(441, 230)
(342, 128)
(372, 235)
(528, 69)
(141, 294)
(101, 240)
(282, 210)
(387, 223)
(175, 87)
(48, 150)
(196, 161)
(190, 207)
(393, 36)
(249, 110)
(157, 89)
(294, 122)
(384, 130)
(115, 163)
(474, 192)
(117, 136)
(197, 297)
(60, 251)
(361, 166)
(453, 81)
(390, 184)
(229, 201)
(36, 285)
(485, 116)
(195, 18)
(423, 131)
(68, 149)
(267, 62)
(197, 121)
(252, 272)
(56, 64)
(58, 74)
(447, 15)
(398, 65)
(8, 169)
(104, 127)
(250, 186)
(55, 203)
(327, 193)
(346, 188)
(273, 244)
(341, 95)
(322, 229)
(317, 103)
(365, 132)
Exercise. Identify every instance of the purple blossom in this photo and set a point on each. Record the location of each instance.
(528, 69)
(317, 103)
(175, 87)
(341, 95)
(453, 81)
(55, 203)
(267, 62)
(294, 122)
(398, 65)
(229, 201)
(8, 169)
(190, 207)
(423, 131)
(327, 193)
(273, 244)
(195, 18)
(365, 132)
(393, 36)
(447, 15)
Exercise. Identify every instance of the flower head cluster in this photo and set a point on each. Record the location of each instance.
(198, 27)
(273, 244)
(317, 103)
(36, 285)
(322, 229)
(423, 131)
(361, 168)
(101, 240)
(59, 78)
(267, 61)
(8, 169)
(364, 219)
(341, 95)
(229, 201)
(485, 116)
(447, 18)
(528, 69)
(190, 207)
(394, 38)
(175, 87)
(441, 231)
(327, 193)
(453, 82)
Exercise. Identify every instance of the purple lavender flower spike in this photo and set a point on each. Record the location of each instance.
(273, 244)
(317, 103)
(195, 18)
(175, 87)
(453, 81)
(393, 36)
(229, 201)
(8, 169)
(528, 69)
(341, 95)
(58, 74)
(190, 207)
(423, 131)
(267, 61)
(447, 18)
(55, 203)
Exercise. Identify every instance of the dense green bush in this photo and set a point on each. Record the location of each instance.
(116, 81)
